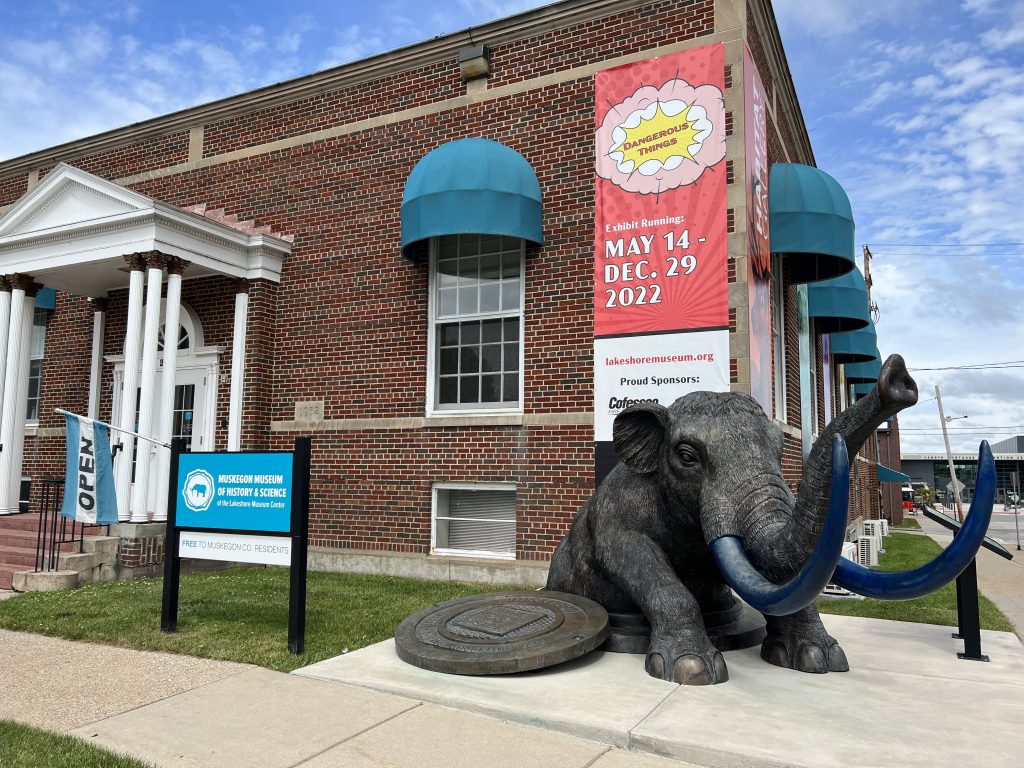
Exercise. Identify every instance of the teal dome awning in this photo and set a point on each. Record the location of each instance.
(810, 222)
(46, 298)
(854, 346)
(889, 475)
(471, 186)
(862, 389)
(840, 304)
(863, 373)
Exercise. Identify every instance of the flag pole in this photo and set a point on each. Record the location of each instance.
(111, 426)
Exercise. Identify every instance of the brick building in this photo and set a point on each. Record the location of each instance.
(321, 241)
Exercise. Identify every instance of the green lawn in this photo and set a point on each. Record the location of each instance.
(25, 747)
(240, 614)
(908, 524)
(904, 551)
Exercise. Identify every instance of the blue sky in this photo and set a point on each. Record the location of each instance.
(916, 107)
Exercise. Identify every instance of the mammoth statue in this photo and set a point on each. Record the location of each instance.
(698, 504)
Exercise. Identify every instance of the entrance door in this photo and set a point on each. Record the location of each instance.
(189, 418)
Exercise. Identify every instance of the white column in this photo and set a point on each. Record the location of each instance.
(10, 425)
(238, 366)
(147, 384)
(172, 319)
(5, 324)
(99, 322)
(21, 396)
(126, 420)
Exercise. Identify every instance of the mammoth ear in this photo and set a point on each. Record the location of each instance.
(639, 433)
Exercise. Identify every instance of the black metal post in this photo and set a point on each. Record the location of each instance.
(41, 529)
(961, 598)
(300, 538)
(172, 563)
(970, 619)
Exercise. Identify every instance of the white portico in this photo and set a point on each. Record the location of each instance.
(81, 234)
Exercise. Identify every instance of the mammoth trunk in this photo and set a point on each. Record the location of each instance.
(894, 392)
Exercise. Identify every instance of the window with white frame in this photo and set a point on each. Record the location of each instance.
(35, 368)
(476, 325)
(778, 339)
(477, 520)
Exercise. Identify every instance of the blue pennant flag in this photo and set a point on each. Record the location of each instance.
(89, 495)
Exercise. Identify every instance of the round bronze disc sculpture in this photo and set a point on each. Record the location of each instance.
(501, 632)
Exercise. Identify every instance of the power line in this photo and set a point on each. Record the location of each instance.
(1004, 430)
(946, 245)
(946, 255)
(974, 366)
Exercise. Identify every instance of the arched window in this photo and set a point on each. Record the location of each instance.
(189, 330)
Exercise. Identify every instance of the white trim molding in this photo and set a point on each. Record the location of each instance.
(72, 230)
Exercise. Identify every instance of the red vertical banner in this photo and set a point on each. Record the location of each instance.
(755, 140)
(661, 309)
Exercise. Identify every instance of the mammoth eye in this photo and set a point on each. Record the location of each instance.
(688, 455)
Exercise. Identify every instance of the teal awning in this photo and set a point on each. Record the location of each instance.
(886, 475)
(854, 346)
(471, 186)
(810, 222)
(863, 373)
(840, 304)
(46, 298)
(862, 389)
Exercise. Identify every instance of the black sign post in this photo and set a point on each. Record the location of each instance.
(172, 563)
(229, 490)
(300, 542)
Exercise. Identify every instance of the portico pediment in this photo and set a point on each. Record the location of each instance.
(73, 229)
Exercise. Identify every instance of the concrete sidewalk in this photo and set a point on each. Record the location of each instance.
(1000, 580)
(908, 701)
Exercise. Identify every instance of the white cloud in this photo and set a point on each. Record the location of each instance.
(834, 18)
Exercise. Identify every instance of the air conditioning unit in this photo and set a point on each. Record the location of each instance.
(867, 550)
(885, 527)
(873, 528)
(834, 590)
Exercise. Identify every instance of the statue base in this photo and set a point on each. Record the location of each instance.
(729, 630)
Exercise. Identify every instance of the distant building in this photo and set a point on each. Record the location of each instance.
(933, 469)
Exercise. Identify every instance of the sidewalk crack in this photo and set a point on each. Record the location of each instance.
(328, 748)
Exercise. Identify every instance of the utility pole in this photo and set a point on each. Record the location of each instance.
(1015, 478)
(949, 456)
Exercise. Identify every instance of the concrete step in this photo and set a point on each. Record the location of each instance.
(28, 539)
(22, 556)
(20, 522)
(7, 575)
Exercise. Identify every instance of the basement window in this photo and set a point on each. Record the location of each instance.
(474, 520)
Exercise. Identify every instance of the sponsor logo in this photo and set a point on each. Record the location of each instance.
(618, 403)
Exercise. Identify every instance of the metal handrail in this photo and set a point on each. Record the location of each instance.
(53, 530)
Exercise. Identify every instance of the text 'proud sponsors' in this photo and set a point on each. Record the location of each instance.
(661, 311)
(655, 369)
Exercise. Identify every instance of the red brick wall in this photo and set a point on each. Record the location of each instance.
(65, 384)
(12, 187)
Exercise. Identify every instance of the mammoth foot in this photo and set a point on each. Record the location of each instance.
(803, 648)
(686, 663)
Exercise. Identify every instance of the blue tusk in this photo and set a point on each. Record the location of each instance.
(806, 586)
(947, 565)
